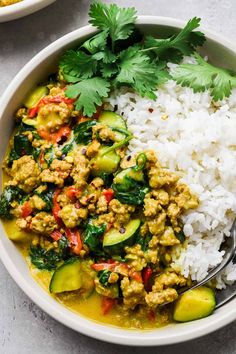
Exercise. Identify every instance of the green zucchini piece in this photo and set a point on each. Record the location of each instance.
(105, 163)
(195, 304)
(114, 241)
(35, 96)
(114, 121)
(67, 277)
(122, 176)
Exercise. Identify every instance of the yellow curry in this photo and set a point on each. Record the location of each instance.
(98, 226)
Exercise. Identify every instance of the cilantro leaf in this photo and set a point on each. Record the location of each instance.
(77, 65)
(90, 93)
(136, 69)
(119, 22)
(96, 43)
(202, 76)
(184, 43)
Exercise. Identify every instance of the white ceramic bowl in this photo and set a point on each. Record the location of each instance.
(21, 9)
(220, 52)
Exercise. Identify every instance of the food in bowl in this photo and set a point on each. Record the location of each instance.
(8, 2)
(101, 219)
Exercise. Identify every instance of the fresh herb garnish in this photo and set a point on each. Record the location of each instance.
(118, 56)
(202, 76)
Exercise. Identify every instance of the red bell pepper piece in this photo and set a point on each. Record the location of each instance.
(56, 99)
(136, 276)
(109, 194)
(104, 266)
(73, 192)
(75, 240)
(56, 207)
(26, 210)
(146, 275)
(107, 304)
(55, 137)
(56, 235)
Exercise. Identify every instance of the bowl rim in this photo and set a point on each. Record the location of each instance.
(23, 8)
(89, 327)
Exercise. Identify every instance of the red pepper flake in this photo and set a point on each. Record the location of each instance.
(107, 304)
(150, 110)
(109, 194)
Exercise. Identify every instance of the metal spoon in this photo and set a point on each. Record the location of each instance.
(229, 246)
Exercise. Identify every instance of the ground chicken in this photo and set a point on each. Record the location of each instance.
(58, 172)
(37, 203)
(93, 148)
(154, 299)
(25, 173)
(133, 292)
(71, 216)
(101, 205)
(168, 238)
(135, 257)
(80, 171)
(159, 177)
(103, 132)
(52, 116)
(151, 206)
(157, 225)
(43, 223)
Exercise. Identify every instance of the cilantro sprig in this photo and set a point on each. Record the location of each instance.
(202, 76)
(117, 55)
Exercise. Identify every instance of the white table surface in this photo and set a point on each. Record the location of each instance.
(24, 328)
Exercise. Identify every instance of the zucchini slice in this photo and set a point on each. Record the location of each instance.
(114, 241)
(35, 96)
(67, 277)
(106, 163)
(115, 122)
(121, 177)
(195, 304)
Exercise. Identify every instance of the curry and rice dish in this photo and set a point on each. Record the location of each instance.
(119, 185)
(8, 2)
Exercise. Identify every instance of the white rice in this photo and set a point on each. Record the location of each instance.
(197, 140)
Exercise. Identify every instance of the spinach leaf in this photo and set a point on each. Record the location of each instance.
(49, 155)
(43, 259)
(83, 132)
(67, 148)
(107, 178)
(103, 277)
(47, 197)
(22, 146)
(180, 236)
(143, 241)
(92, 236)
(9, 194)
(131, 193)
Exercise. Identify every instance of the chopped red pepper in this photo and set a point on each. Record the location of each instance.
(56, 235)
(107, 304)
(104, 266)
(57, 99)
(56, 207)
(55, 137)
(136, 276)
(74, 238)
(109, 194)
(146, 275)
(26, 210)
(73, 192)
